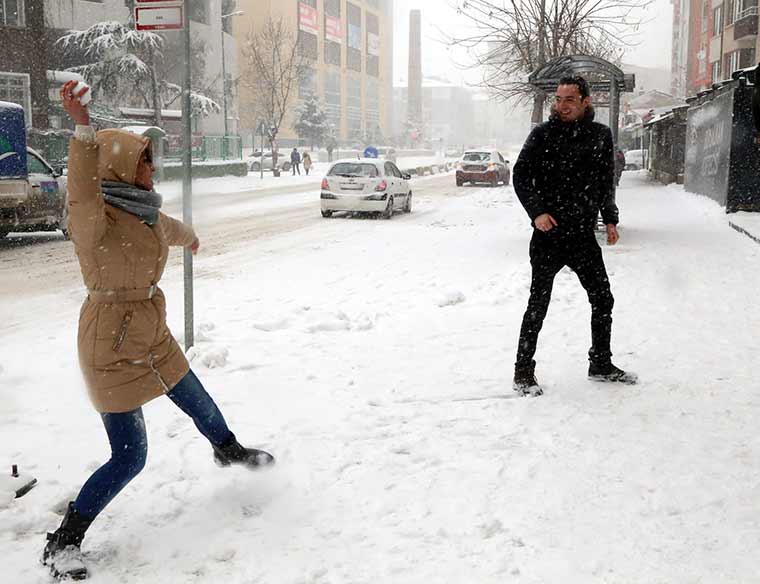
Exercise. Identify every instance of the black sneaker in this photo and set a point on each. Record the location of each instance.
(525, 384)
(607, 372)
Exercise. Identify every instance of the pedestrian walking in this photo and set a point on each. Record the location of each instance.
(564, 177)
(295, 161)
(126, 352)
(619, 166)
(306, 162)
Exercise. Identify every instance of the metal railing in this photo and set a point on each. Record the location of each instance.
(207, 147)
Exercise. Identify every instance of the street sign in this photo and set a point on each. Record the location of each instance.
(164, 17)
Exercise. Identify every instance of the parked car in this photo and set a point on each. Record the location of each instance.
(254, 161)
(32, 192)
(366, 185)
(483, 166)
(387, 153)
(634, 160)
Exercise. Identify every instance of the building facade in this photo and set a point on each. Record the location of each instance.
(25, 55)
(711, 40)
(349, 48)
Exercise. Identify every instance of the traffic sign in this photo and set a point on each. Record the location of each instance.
(164, 17)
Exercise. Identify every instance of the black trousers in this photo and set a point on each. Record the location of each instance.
(548, 255)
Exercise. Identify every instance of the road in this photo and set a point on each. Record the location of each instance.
(44, 263)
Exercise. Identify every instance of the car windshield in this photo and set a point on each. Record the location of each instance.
(477, 156)
(353, 169)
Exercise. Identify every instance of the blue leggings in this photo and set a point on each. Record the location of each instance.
(129, 443)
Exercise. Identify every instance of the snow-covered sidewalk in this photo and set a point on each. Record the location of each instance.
(374, 358)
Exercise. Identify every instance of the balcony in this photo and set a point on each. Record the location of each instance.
(746, 24)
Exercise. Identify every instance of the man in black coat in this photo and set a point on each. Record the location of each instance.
(564, 178)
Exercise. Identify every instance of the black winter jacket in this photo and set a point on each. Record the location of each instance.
(567, 170)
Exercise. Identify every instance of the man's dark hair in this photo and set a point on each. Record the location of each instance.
(579, 82)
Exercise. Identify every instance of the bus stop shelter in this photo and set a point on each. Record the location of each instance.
(607, 81)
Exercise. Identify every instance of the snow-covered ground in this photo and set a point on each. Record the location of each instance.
(374, 359)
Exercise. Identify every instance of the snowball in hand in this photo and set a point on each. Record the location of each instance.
(85, 99)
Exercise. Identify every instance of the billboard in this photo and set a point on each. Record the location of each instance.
(333, 29)
(307, 18)
(708, 147)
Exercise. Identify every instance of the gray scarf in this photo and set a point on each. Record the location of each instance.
(141, 203)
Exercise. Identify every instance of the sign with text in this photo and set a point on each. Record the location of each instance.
(333, 29)
(307, 18)
(164, 17)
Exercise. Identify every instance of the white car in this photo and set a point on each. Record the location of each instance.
(366, 185)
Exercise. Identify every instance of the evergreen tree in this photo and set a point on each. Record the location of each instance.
(311, 121)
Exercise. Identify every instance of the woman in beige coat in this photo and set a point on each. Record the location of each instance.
(126, 352)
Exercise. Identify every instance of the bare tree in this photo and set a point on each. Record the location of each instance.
(510, 39)
(271, 70)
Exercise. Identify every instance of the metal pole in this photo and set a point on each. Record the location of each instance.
(261, 165)
(614, 109)
(187, 179)
(224, 95)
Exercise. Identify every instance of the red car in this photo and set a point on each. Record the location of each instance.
(483, 166)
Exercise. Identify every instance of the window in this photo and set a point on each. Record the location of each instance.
(11, 13)
(717, 21)
(728, 15)
(307, 84)
(354, 37)
(333, 98)
(35, 166)
(307, 44)
(353, 169)
(705, 16)
(15, 88)
(354, 107)
(372, 103)
(715, 73)
(373, 45)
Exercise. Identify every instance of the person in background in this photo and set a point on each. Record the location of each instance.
(295, 161)
(619, 166)
(127, 354)
(306, 162)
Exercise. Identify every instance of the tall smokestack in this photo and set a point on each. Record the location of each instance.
(415, 67)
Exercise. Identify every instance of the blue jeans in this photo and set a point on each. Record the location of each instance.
(129, 443)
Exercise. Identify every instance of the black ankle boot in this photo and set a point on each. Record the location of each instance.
(608, 372)
(234, 453)
(525, 382)
(62, 554)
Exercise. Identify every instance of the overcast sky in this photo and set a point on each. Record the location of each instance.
(653, 49)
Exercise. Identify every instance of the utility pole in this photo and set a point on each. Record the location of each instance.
(187, 179)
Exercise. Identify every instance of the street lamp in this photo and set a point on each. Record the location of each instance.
(224, 80)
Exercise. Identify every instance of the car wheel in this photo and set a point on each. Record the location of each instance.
(3, 233)
(408, 204)
(459, 183)
(286, 166)
(388, 213)
(256, 167)
(327, 213)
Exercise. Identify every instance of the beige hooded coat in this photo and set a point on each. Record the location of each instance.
(126, 352)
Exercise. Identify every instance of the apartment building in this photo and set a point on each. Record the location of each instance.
(349, 45)
(717, 37)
